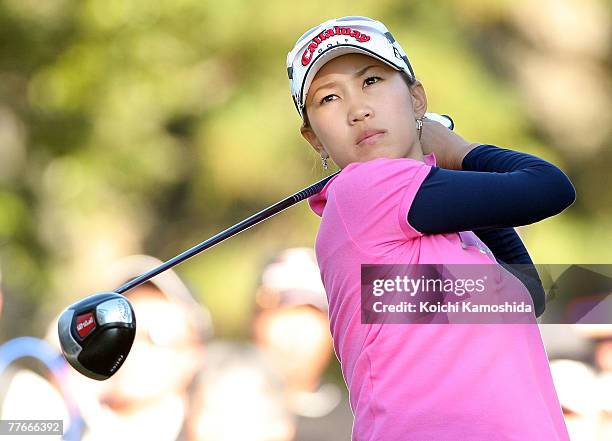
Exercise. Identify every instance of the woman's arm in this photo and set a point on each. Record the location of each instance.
(510, 252)
(497, 188)
(505, 196)
(505, 244)
(483, 186)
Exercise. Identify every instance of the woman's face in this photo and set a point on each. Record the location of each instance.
(353, 94)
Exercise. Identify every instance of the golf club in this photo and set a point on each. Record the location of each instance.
(96, 333)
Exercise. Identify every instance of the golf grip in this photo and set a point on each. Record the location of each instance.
(249, 222)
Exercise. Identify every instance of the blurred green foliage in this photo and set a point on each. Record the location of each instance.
(149, 126)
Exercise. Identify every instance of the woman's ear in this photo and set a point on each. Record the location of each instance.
(419, 99)
(312, 139)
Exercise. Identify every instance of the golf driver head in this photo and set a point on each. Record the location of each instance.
(96, 334)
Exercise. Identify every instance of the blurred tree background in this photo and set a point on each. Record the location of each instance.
(145, 127)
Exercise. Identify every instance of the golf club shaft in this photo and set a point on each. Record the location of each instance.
(250, 221)
(229, 232)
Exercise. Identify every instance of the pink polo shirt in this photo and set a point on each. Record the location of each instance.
(422, 382)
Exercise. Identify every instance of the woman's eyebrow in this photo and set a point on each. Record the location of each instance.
(355, 75)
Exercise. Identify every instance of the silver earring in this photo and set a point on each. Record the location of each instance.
(324, 161)
(419, 126)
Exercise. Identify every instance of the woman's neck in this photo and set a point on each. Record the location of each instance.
(416, 152)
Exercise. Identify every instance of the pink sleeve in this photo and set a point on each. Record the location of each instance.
(374, 198)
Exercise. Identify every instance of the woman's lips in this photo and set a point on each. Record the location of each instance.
(371, 138)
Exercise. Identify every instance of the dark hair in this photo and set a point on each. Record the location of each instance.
(409, 80)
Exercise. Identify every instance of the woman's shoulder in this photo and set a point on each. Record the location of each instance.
(383, 162)
(377, 170)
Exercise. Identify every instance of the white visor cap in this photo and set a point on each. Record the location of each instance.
(337, 37)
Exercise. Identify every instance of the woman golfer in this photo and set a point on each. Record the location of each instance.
(411, 191)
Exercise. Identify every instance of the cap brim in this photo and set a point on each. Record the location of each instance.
(335, 52)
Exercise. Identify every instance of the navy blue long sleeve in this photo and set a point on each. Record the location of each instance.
(496, 190)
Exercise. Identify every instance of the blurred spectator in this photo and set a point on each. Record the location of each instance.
(563, 341)
(238, 397)
(291, 326)
(149, 395)
(38, 391)
(601, 336)
(605, 391)
(29, 392)
(576, 385)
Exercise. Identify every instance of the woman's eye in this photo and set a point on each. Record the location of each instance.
(369, 81)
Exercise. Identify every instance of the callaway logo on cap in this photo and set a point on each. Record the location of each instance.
(338, 37)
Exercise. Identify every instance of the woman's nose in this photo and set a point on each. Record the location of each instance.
(360, 111)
